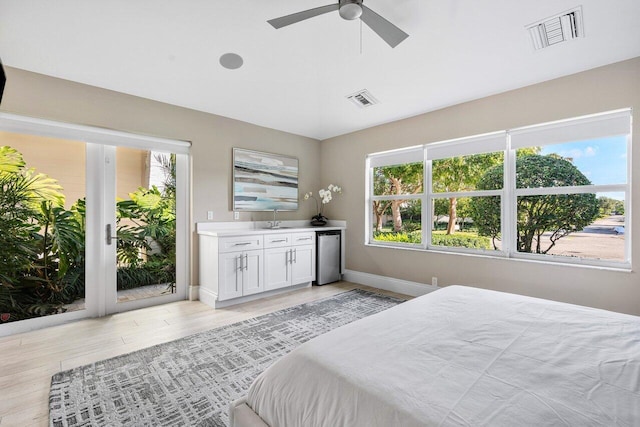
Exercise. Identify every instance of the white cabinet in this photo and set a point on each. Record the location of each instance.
(277, 270)
(233, 267)
(230, 267)
(303, 267)
(240, 274)
(289, 259)
(239, 266)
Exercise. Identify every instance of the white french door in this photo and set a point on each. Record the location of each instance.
(136, 226)
(115, 260)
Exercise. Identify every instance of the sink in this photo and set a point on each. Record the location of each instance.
(276, 228)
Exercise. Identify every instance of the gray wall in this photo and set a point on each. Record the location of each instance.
(342, 161)
(212, 138)
(602, 89)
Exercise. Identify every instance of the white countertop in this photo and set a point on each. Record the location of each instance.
(244, 228)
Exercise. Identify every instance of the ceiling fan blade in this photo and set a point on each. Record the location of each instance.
(385, 29)
(283, 21)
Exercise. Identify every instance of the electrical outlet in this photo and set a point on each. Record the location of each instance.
(236, 215)
(209, 215)
(434, 281)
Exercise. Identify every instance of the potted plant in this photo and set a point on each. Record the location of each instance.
(318, 220)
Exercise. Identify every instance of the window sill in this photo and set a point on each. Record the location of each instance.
(622, 267)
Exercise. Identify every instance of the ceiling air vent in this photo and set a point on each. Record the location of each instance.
(557, 29)
(362, 98)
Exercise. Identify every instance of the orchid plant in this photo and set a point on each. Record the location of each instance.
(325, 197)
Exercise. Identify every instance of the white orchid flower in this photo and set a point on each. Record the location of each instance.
(324, 197)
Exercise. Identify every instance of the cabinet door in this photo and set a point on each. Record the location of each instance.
(277, 270)
(252, 280)
(303, 266)
(230, 276)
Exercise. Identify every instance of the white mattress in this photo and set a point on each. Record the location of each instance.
(461, 357)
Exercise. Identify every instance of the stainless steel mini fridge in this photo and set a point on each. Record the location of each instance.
(328, 257)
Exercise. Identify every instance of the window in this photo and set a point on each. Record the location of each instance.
(557, 192)
(397, 191)
(456, 168)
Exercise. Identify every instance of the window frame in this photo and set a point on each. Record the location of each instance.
(509, 194)
(372, 197)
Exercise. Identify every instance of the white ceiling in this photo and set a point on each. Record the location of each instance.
(296, 78)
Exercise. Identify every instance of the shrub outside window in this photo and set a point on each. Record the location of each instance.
(555, 192)
(396, 203)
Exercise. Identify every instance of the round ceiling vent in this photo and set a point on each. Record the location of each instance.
(231, 61)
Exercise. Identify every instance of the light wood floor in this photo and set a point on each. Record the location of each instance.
(28, 360)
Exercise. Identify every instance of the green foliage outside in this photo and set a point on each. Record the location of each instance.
(559, 215)
(555, 215)
(460, 173)
(460, 240)
(42, 253)
(414, 237)
(396, 180)
(608, 206)
(438, 238)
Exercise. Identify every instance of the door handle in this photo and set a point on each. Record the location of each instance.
(108, 237)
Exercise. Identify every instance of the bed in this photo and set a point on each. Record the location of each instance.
(458, 356)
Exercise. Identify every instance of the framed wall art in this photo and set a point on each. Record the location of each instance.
(264, 181)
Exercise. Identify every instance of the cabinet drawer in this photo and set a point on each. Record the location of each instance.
(278, 240)
(306, 238)
(240, 243)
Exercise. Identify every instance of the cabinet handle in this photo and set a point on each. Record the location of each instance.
(246, 261)
(295, 253)
(238, 270)
(242, 244)
(303, 238)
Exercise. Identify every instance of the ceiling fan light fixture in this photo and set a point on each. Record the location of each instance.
(350, 9)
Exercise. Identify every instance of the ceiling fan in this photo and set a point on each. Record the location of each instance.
(349, 10)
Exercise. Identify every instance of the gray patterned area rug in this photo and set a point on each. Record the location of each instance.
(191, 381)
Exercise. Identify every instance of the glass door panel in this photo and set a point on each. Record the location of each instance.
(145, 226)
(89, 224)
(42, 226)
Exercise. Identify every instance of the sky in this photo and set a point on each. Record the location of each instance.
(603, 161)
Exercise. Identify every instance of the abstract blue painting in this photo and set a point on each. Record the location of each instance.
(264, 181)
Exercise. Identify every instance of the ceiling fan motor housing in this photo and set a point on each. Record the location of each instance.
(350, 9)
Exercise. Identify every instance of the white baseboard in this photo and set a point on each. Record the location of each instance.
(194, 293)
(211, 299)
(388, 283)
(207, 297)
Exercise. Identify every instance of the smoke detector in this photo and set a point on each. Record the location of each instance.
(363, 98)
(557, 29)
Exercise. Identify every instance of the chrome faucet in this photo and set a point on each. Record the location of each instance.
(274, 224)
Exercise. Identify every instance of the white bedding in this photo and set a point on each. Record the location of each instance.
(461, 357)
